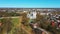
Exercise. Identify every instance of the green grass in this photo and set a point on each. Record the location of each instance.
(15, 21)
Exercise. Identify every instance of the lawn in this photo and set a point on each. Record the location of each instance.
(16, 23)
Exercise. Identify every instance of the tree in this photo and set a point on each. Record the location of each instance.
(7, 25)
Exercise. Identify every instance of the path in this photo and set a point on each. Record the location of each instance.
(27, 31)
(8, 17)
(43, 30)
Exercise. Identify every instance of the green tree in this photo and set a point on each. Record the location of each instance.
(7, 25)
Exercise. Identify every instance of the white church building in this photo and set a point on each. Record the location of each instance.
(32, 15)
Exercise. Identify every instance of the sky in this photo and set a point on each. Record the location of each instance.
(29, 3)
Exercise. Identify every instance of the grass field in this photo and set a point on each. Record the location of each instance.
(17, 26)
(16, 22)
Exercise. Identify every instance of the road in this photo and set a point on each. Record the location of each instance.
(43, 30)
(7, 17)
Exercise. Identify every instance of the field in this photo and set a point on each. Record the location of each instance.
(15, 24)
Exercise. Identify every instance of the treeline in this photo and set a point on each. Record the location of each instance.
(6, 25)
(7, 14)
